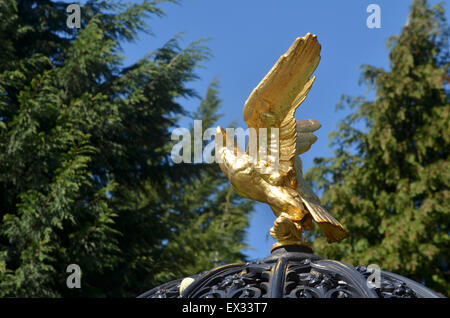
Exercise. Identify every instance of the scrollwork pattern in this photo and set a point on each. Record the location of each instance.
(303, 278)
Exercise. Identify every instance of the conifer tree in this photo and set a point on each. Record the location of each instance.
(388, 181)
(85, 170)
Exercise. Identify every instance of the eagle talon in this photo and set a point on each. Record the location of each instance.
(285, 228)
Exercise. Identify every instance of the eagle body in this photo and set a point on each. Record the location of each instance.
(272, 104)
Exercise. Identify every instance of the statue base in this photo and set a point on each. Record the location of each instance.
(292, 245)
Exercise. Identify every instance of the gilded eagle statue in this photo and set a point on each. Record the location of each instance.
(272, 104)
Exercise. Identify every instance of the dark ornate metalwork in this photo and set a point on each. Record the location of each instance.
(292, 272)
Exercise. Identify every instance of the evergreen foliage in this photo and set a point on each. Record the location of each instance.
(389, 179)
(85, 171)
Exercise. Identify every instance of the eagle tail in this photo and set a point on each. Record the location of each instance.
(330, 227)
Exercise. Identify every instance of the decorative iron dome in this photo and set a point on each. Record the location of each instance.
(291, 272)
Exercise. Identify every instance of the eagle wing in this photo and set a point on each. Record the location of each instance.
(273, 102)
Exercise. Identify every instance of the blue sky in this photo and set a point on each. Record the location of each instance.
(247, 38)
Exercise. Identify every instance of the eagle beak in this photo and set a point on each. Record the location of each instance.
(220, 133)
(220, 130)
